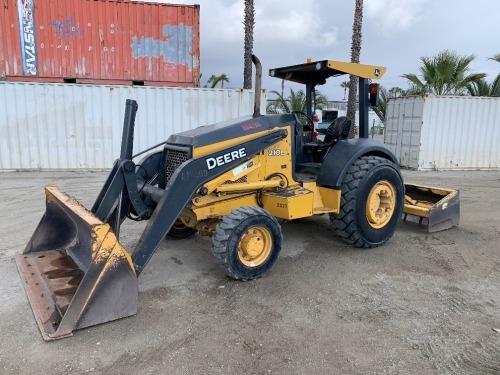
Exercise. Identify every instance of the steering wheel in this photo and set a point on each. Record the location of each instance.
(309, 120)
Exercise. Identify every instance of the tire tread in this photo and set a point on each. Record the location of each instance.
(344, 222)
(223, 232)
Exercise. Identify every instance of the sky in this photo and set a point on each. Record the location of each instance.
(396, 34)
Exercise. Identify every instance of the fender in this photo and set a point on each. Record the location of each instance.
(341, 156)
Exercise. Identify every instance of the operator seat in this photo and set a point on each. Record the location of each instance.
(338, 129)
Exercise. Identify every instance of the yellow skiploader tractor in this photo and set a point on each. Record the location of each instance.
(229, 180)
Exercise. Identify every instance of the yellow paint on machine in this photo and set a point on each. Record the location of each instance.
(292, 203)
(434, 197)
(232, 175)
(103, 239)
(276, 158)
(330, 199)
(360, 70)
(224, 207)
(416, 210)
(325, 199)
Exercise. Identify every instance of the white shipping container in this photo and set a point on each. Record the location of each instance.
(73, 126)
(444, 132)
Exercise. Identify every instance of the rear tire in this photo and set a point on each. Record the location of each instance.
(247, 243)
(179, 231)
(372, 202)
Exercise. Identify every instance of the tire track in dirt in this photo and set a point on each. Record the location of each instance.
(131, 363)
(442, 252)
(480, 358)
(477, 357)
(457, 304)
(431, 253)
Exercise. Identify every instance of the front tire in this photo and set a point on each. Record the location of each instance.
(247, 243)
(372, 202)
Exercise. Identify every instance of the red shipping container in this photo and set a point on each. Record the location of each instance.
(100, 41)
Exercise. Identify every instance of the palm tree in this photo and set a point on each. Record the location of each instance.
(214, 80)
(483, 88)
(495, 86)
(210, 81)
(447, 73)
(413, 90)
(394, 92)
(496, 57)
(296, 102)
(355, 52)
(222, 78)
(249, 23)
(345, 86)
(320, 100)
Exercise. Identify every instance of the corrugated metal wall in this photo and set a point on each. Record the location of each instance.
(446, 132)
(65, 126)
(403, 127)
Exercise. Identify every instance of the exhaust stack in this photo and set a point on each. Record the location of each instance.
(258, 86)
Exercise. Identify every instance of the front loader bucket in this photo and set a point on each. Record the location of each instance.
(437, 208)
(75, 272)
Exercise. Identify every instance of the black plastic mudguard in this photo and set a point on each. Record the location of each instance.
(344, 153)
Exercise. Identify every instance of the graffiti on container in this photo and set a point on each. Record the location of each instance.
(66, 28)
(26, 13)
(177, 48)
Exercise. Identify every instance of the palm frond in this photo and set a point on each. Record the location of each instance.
(496, 57)
(446, 73)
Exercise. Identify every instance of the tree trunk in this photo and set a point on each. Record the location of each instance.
(249, 23)
(355, 52)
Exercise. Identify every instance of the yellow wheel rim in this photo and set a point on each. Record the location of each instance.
(380, 204)
(255, 246)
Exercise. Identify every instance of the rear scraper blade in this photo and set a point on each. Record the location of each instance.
(436, 208)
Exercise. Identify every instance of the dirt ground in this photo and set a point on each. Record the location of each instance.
(422, 304)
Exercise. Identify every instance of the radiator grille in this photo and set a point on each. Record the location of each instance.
(173, 160)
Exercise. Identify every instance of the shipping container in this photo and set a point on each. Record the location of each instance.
(444, 132)
(100, 41)
(78, 126)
